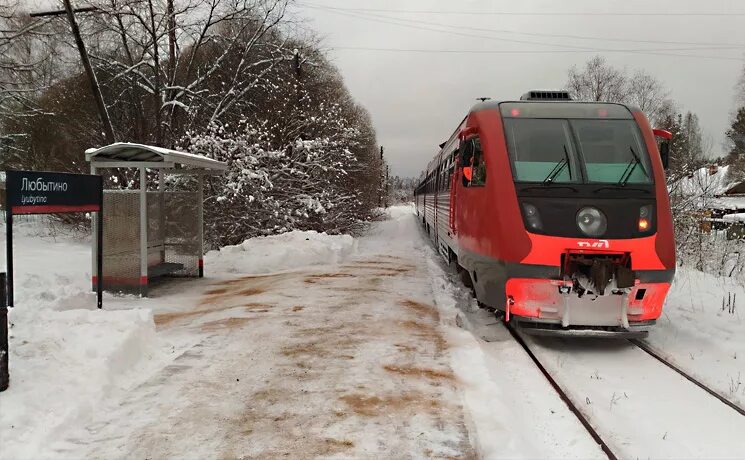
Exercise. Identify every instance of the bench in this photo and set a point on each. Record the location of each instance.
(163, 269)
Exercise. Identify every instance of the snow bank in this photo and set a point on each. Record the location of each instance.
(281, 252)
(66, 356)
(63, 365)
(702, 330)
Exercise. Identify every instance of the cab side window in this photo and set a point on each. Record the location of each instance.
(472, 160)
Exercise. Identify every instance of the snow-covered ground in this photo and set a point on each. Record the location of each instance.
(702, 331)
(309, 345)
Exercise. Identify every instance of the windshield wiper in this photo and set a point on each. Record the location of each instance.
(616, 189)
(633, 163)
(558, 168)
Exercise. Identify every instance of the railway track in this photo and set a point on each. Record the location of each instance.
(563, 395)
(595, 434)
(602, 427)
(650, 351)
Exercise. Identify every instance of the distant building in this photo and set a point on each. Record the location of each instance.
(718, 198)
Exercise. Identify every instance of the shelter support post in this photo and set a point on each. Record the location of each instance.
(200, 223)
(99, 253)
(143, 231)
(162, 205)
(97, 250)
(94, 248)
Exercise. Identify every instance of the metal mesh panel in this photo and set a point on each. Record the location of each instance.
(182, 244)
(155, 224)
(173, 238)
(121, 239)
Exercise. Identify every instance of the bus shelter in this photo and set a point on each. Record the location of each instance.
(156, 230)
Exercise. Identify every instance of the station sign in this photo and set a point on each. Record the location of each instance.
(33, 192)
(38, 192)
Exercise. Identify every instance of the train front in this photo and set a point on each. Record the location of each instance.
(590, 186)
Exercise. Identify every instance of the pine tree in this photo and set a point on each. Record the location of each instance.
(736, 134)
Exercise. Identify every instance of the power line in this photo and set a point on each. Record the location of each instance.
(467, 51)
(653, 52)
(533, 34)
(539, 13)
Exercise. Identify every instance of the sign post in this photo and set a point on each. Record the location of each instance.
(33, 192)
(4, 371)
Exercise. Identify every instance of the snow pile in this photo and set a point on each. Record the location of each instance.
(66, 356)
(281, 252)
(63, 366)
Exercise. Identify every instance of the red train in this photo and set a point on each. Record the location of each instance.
(556, 212)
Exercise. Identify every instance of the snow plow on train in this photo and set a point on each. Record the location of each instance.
(556, 212)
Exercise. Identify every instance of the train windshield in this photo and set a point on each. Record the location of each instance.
(578, 148)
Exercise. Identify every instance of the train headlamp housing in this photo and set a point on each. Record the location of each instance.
(532, 217)
(645, 219)
(591, 221)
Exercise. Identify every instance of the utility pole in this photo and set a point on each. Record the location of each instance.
(108, 129)
(298, 75)
(382, 179)
(171, 37)
(42, 14)
(387, 191)
(170, 12)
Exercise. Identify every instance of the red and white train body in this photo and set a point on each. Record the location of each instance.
(557, 212)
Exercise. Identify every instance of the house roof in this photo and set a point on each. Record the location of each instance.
(707, 181)
(125, 153)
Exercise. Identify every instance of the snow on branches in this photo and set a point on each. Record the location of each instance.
(271, 187)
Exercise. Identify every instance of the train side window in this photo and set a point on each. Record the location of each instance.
(474, 165)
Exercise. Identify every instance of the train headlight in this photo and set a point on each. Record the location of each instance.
(591, 221)
(532, 218)
(645, 218)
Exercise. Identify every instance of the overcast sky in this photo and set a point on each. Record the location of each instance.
(416, 99)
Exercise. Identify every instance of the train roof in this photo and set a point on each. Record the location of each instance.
(492, 104)
(531, 97)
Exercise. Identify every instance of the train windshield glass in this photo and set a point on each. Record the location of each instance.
(612, 151)
(554, 149)
(542, 150)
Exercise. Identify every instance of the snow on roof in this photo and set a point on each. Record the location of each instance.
(738, 217)
(134, 153)
(708, 181)
(726, 202)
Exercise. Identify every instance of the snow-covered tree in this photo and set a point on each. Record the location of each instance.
(224, 78)
(307, 161)
(272, 187)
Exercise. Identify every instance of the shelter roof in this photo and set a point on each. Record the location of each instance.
(125, 154)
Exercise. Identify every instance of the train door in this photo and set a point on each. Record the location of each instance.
(435, 183)
(472, 199)
(452, 192)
